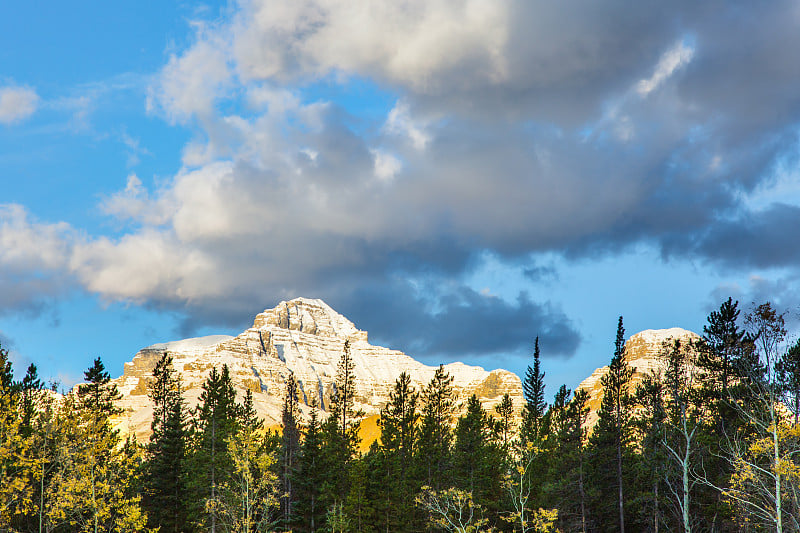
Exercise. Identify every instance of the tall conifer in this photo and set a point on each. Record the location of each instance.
(165, 470)
(612, 434)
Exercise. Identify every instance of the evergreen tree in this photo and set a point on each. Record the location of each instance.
(788, 369)
(477, 462)
(94, 478)
(533, 390)
(290, 448)
(398, 423)
(340, 432)
(310, 509)
(166, 468)
(561, 462)
(98, 394)
(503, 425)
(650, 425)
(723, 354)
(215, 422)
(612, 434)
(435, 434)
(30, 389)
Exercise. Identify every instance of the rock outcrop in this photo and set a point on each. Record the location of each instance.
(305, 338)
(645, 353)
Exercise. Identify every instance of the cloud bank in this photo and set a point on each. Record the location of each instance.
(515, 128)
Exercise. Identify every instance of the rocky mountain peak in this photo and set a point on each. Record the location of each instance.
(303, 338)
(312, 316)
(644, 352)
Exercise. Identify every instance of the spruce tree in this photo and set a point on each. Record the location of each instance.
(290, 448)
(612, 434)
(166, 463)
(503, 425)
(98, 394)
(340, 436)
(30, 389)
(398, 424)
(477, 464)
(310, 509)
(93, 482)
(215, 422)
(533, 390)
(788, 369)
(650, 425)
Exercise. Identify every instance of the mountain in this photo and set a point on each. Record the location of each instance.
(303, 337)
(644, 352)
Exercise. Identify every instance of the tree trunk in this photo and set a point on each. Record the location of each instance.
(619, 481)
(776, 450)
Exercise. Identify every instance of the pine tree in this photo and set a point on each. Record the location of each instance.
(723, 353)
(166, 467)
(435, 434)
(290, 448)
(612, 434)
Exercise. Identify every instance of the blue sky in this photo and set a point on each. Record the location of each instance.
(454, 176)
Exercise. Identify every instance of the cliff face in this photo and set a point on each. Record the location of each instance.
(306, 338)
(645, 353)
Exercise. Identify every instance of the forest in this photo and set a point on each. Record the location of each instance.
(709, 443)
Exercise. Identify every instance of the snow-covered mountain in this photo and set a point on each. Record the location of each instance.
(306, 338)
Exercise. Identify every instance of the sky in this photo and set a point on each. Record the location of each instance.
(457, 177)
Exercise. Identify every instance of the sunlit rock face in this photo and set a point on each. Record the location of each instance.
(306, 338)
(646, 353)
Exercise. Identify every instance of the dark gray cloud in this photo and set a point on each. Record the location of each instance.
(751, 239)
(452, 322)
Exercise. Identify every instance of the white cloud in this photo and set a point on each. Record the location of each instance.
(191, 83)
(676, 57)
(132, 203)
(27, 245)
(399, 122)
(412, 43)
(17, 103)
(386, 165)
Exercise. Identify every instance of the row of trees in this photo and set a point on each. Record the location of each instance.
(711, 442)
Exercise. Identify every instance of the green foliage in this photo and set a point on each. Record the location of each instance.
(612, 438)
(166, 471)
(215, 421)
(435, 434)
(290, 449)
(398, 423)
(533, 390)
(703, 444)
(310, 510)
